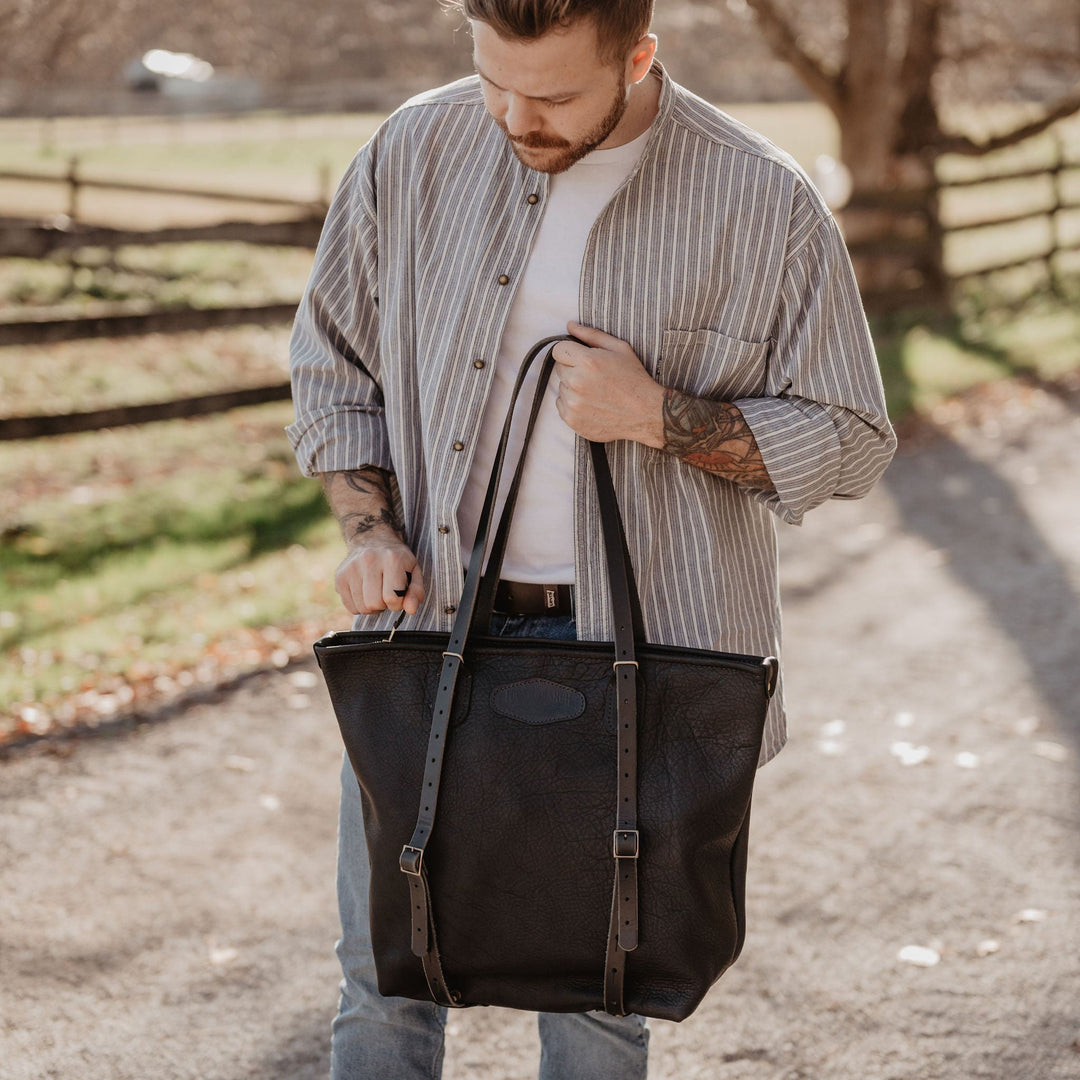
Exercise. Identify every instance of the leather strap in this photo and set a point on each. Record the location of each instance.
(424, 943)
(626, 841)
(473, 609)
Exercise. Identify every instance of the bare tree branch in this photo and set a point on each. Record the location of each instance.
(783, 40)
(962, 144)
(1016, 50)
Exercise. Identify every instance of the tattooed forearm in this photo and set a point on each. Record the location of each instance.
(370, 480)
(362, 503)
(713, 436)
(354, 525)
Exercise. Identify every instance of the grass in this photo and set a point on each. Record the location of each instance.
(168, 275)
(127, 564)
(140, 562)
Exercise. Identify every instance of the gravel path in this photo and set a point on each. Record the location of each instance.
(167, 912)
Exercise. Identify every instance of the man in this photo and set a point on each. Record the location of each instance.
(721, 352)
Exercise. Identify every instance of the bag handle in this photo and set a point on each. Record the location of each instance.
(611, 524)
(628, 630)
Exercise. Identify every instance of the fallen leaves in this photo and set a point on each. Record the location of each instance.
(1051, 751)
(219, 956)
(919, 956)
(909, 754)
(145, 687)
(925, 956)
(1031, 915)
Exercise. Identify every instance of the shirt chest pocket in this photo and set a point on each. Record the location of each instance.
(709, 364)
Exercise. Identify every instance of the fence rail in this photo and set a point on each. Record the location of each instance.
(134, 324)
(22, 239)
(34, 240)
(75, 182)
(36, 427)
(1053, 212)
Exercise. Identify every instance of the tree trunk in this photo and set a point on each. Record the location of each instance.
(887, 116)
(893, 228)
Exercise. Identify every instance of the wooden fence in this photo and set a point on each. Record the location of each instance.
(1053, 212)
(34, 240)
(75, 182)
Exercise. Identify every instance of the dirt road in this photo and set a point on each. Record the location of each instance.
(166, 906)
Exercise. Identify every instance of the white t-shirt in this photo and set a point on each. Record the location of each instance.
(541, 542)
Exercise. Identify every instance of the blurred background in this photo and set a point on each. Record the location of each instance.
(168, 758)
(163, 176)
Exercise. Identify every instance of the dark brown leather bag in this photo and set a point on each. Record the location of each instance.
(552, 825)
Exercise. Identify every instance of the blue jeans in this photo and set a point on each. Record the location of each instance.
(391, 1038)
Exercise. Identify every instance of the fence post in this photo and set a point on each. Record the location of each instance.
(1057, 239)
(325, 194)
(73, 188)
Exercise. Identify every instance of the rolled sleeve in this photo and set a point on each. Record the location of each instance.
(822, 426)
(340, 438)
(334, 351)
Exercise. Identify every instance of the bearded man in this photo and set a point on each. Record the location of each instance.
(721, 353)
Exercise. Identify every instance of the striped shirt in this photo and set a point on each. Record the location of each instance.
(716, 260)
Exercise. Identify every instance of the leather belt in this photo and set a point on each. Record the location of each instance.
(530, 598)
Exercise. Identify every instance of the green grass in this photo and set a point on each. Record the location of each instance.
(156, 571)
(926, 357)
(167, 275)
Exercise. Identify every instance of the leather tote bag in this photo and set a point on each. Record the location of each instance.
(558, 826)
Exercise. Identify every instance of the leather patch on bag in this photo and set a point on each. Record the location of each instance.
(538, 701)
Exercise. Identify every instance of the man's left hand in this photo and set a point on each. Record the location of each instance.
(604, 391)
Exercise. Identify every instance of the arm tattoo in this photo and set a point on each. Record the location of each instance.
(354, 525)
(370, 480)
(713, 436)
(374, 509)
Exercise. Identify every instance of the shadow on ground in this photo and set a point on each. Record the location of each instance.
(967, 509)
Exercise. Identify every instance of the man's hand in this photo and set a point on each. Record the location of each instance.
(380, 572)
(604, 391)
(605, 394)
(374, 573)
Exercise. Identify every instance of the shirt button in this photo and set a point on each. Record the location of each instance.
(532, 200)
(478, 364)
(503, 279)
(459, 446)
(444, 529)
(449, 609)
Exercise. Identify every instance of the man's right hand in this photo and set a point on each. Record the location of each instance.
(372, 574)
(380, 572)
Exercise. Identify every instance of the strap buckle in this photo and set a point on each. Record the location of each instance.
(626, 843)
(410, 860)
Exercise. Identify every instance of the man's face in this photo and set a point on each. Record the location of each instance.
(554, 98)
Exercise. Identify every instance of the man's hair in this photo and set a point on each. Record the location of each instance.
(620, 24)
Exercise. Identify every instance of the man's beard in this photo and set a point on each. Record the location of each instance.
(568, 153)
